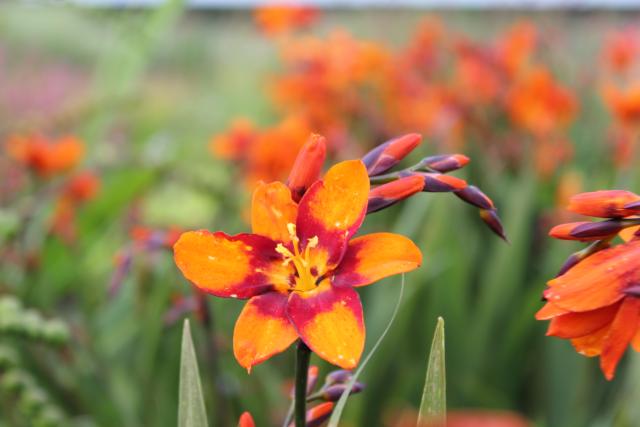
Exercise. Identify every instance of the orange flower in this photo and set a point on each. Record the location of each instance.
(595, 302)
(278, 18)
(79, 189)
(624, 104)
(539, 104)
(233, 144)
(46, 157)
(621, 49)
(516, 47)
(299, 268)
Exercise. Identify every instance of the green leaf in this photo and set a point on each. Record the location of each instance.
(433, 407)
(191, 411)
(337, 412)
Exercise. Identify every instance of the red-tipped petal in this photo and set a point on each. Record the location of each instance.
(262, 329)
(375, 256)
(329, 321)
(333, 209)
(391, 193)
(229, 266)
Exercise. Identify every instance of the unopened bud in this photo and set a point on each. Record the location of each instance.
(387, 155)
(319, 414)
(308, 166)
(333, 392)
(246, 420)
(474, 196)
(605, 204)
(338, 376)
(391, 193)
(445, 162)
(491, 218)
(439, 183)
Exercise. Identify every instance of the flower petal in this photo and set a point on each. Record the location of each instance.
(549, 311)
(575, 325)
(229, 266)
(272, 208)
(329, 321)
(623, 328)
(597, 281)
(590, 345)
(375, 256)
(262, 330)
(333, 209)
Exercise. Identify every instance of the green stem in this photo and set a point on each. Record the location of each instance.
(303, 355)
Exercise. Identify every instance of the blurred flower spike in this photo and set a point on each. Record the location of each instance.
(595, 300)
(299, 267)
(428, 175)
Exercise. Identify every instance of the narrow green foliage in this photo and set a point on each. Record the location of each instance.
(433, 406)
(337, 411)
(191, 410)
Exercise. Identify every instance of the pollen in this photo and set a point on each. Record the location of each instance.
(301, 261)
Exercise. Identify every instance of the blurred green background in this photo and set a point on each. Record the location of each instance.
(146, 89)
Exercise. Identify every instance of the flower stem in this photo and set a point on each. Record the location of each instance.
(303, 354)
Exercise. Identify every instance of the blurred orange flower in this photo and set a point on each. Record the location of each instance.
(621, 50)
(45, 156)
(624, 104)
(79, 189)
(278, 18)
(539, 104)
(299, 268)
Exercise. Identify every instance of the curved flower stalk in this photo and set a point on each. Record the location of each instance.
(300, 266)
(428, 175)
(594, 301)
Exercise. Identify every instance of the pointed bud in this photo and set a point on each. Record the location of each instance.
(391, 193)
(319, 414)
(333, 392)
(246, 420)
(439, 183)
(569, 263)
(312, 378)
(445, 162)
(577, 257)
(604, 204)
(586, 231)
(308, 166)
(474, 196)
(491, 218)
(387, 155)
(338, 376)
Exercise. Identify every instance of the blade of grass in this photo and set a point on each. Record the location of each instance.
(337, 412)
(191, 410)
(433, 406)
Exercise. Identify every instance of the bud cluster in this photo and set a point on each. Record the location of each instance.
(428, 175)
(622, 212)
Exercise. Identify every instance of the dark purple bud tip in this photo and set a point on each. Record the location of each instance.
(491, 218)
(474, 196)
(338, 376)
(633, 205)
(333, 392)
(569, 263)
(598, 230)
(633, 290)
(445, 162)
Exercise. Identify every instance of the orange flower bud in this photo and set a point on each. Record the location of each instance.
(83, 186)
(389, 194)
(586, 231)
(446, 162)
(439, 183)
(246, 420)
(472, 195)
(387, 155)
(605, 204)
(319, 414)
(491, 218)
(308, 166)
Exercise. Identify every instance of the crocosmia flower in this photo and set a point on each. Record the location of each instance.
(299, 267)
(595, 301)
